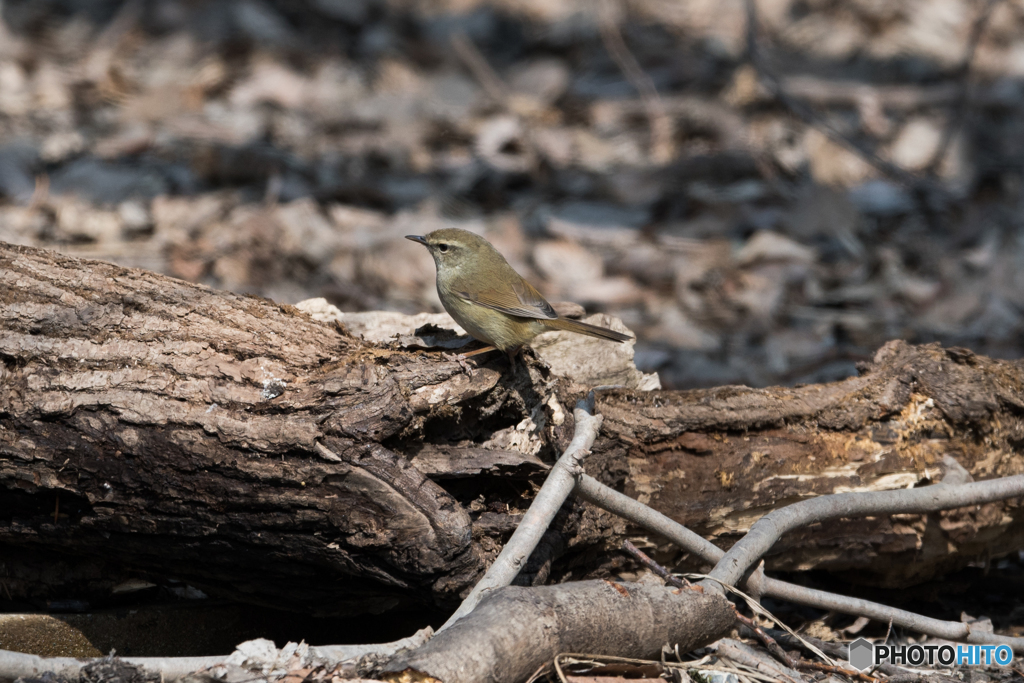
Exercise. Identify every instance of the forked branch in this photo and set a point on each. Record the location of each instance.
(749, 550)
(622, 505)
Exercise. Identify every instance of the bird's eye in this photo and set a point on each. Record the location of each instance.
(442, 248)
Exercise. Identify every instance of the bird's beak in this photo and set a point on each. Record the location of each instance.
(417, 238)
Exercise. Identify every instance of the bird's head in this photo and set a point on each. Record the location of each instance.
(454, 248)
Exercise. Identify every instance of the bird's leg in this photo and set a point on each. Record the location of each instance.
(512, 353)
(483, 350)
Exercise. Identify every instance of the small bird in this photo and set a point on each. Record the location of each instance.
(489, 298)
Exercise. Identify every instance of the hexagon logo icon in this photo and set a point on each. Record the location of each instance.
(862, 654)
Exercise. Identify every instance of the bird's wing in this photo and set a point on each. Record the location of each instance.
(521, 300)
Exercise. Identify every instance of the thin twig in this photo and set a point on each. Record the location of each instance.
(770, 643)
(758, 609)
(746, 655)
(557, 487)
(963, 97)
(662, 143)
(794, 662)
(829, 668)
(666, 575)
(930, 677)
(542, 670)
(604, 659)
(837, 650)
(949, 630)
(680, 582)
(741, 673)
(558, 670)
(15, 665)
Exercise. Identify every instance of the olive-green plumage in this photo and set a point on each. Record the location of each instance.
(489, 298)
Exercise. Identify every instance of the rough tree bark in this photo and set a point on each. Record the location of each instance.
(149, 425)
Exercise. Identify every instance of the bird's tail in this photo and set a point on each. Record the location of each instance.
(584, 328)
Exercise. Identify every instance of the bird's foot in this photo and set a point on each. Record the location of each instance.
(512, 355)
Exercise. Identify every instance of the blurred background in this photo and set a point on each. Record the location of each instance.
(761, 206)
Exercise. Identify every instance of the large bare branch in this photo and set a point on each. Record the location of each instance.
(770, 528)
(514, 630)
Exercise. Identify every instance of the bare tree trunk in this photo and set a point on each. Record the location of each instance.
(151, 425)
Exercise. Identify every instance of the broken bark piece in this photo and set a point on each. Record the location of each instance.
(590, 362)
(442, 462)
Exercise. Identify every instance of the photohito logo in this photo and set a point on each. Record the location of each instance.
(864, 655)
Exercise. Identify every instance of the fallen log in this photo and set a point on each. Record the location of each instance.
(151, 426)
(716, 461)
